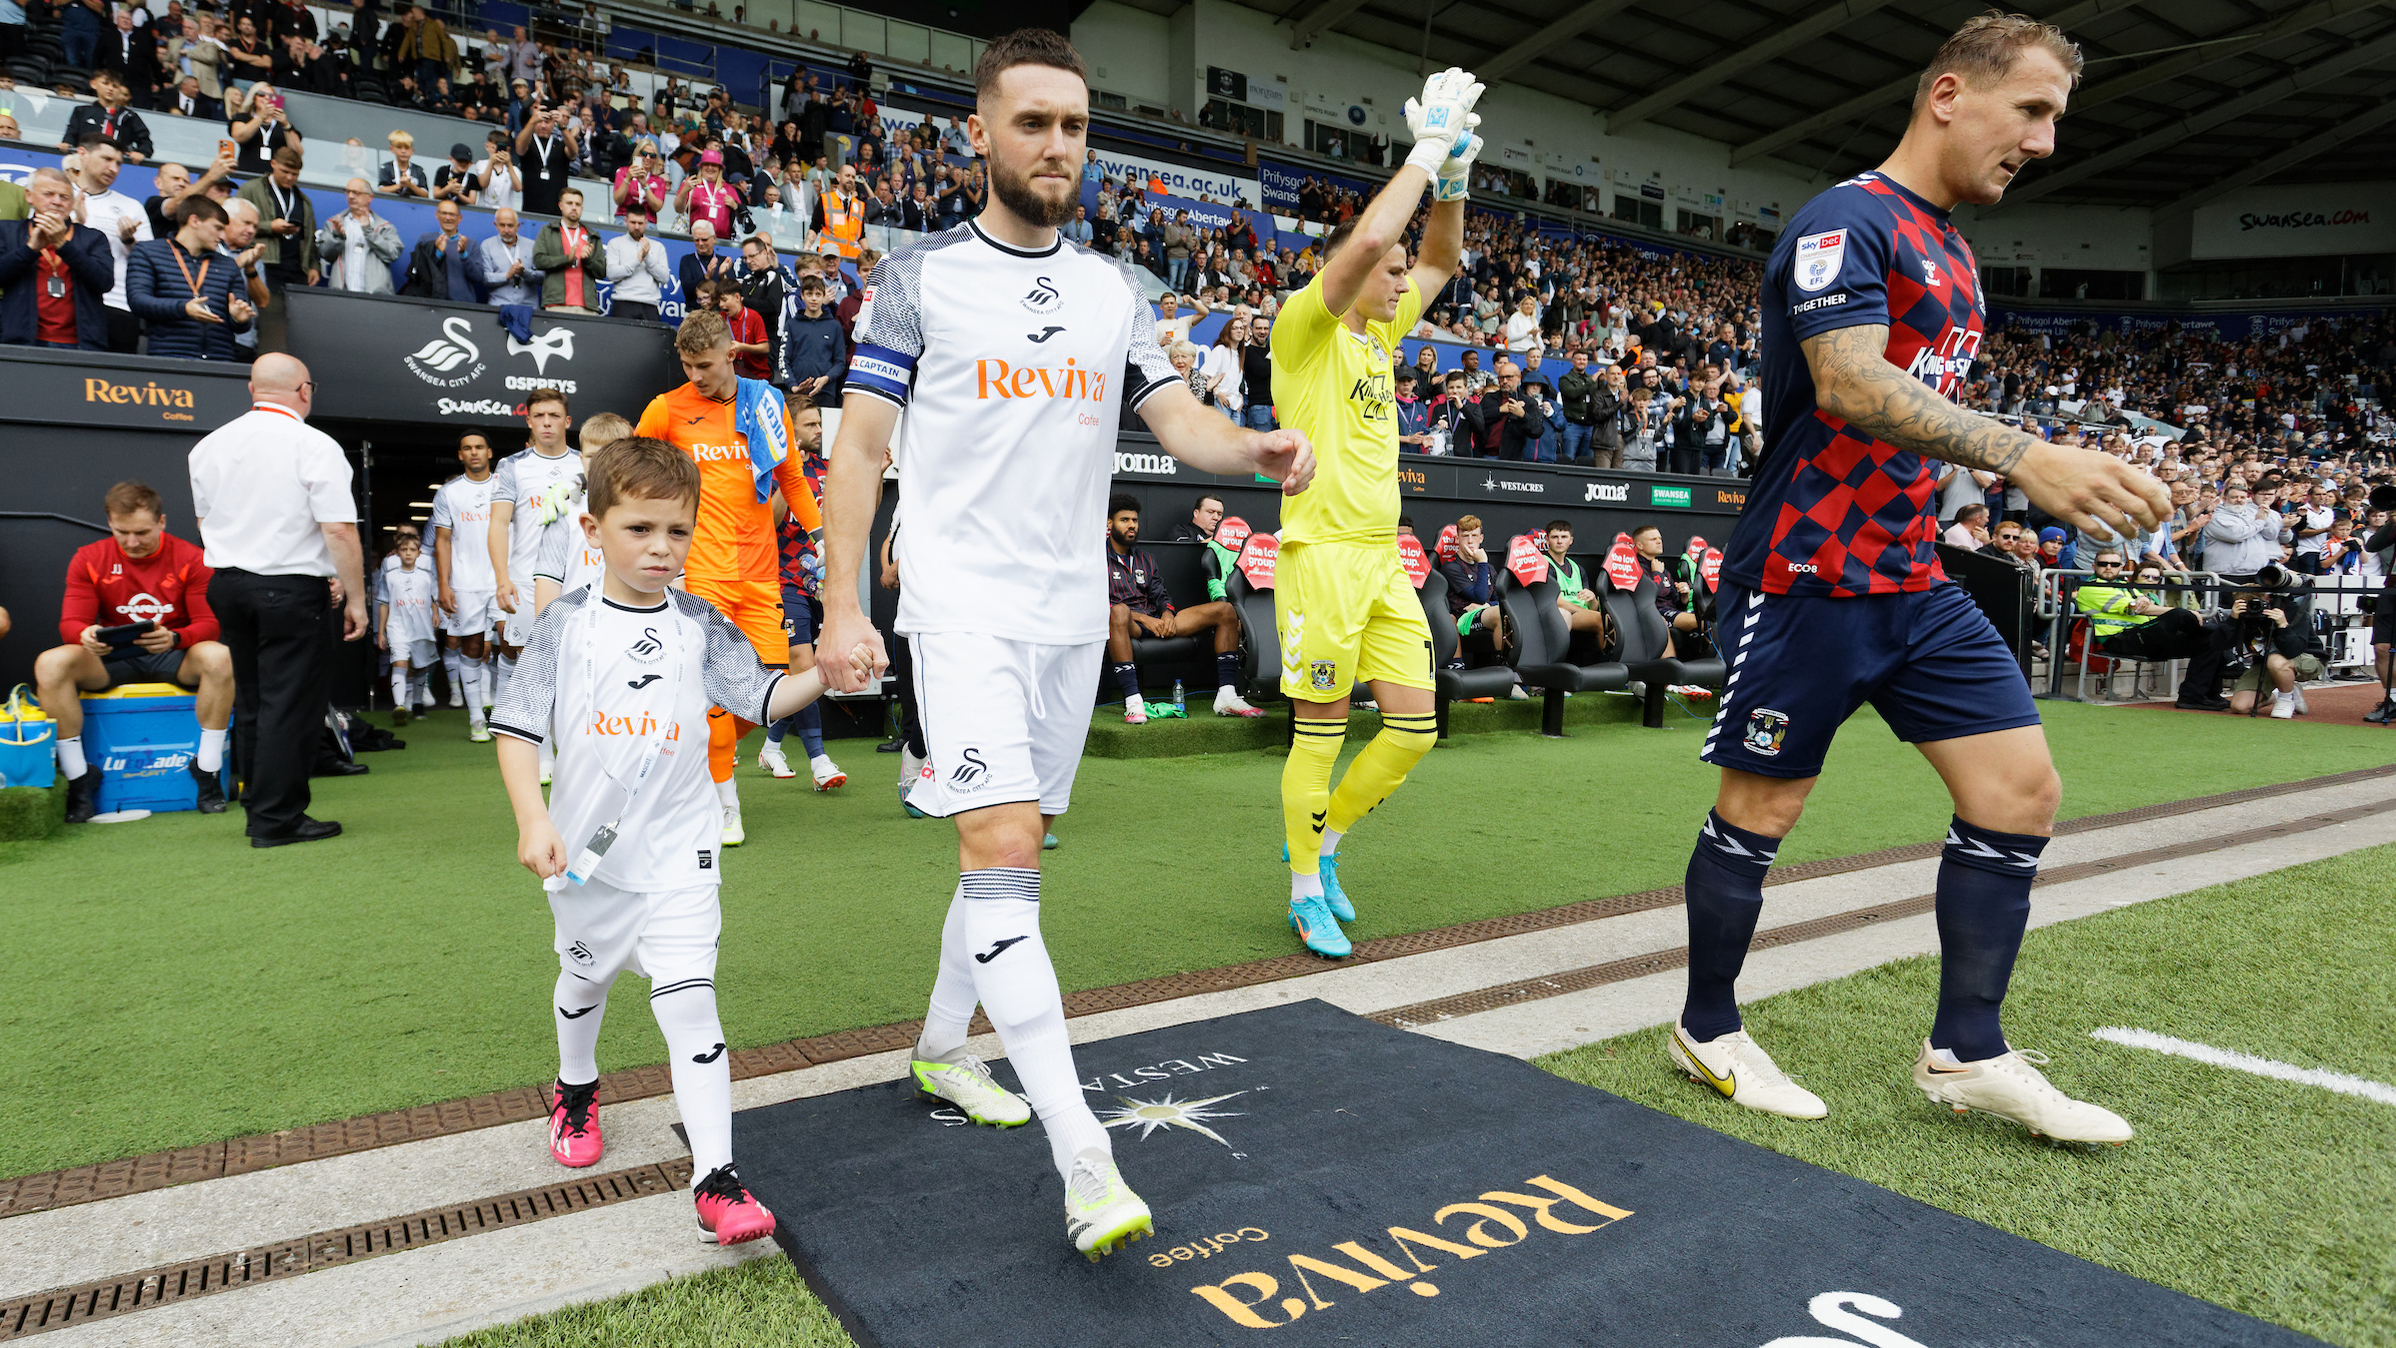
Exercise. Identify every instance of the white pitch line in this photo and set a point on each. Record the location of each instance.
(2247, 1062)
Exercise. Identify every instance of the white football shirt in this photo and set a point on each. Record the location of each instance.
(538, 486)
(1013, 367)
(567, 555)
(463, 507)
(612, 679)
(414, 604)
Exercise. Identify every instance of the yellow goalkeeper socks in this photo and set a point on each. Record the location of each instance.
(1306, 788)
(1378, 770)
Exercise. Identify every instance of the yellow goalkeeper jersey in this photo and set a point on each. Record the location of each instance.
(1334, 385)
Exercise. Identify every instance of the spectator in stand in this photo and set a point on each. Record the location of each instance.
(1584, 400)
(547, 146)
(1414, 415)
(1583, 612)
(55, 274)
(259, 128)
(443, 265)
(120, 220)
(749, 345)
(636, 264)
(1672, 594)
(81, 24)
(768, 289)
(707, 199)
(173, 185)
(192, 304)
(455, 180)
(358, 245)
(704, 262)
(1507, 424)
(426, 50)
(2239, 540)
(1970, 529)
(1224, 369)
(139, 574)
(570, 261)
(128, 58)
(1205, 514)
(817, 349)
(1140, 606)
(402, 177)
(640, 189)
(109, 118)
(1472, 595)
(2055, 551)
(504, 262)
(288, 220)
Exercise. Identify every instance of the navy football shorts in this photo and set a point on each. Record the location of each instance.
(1929, 661)
(802, 616)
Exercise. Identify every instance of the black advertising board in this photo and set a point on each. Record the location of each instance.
(378, 358)
(92, 388)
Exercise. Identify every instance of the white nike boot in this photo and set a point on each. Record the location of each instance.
(1739, 1070)
(1228, 702)
(772, 760)
(2011, 1087)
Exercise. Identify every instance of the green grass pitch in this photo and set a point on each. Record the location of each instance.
(2274, 1199)
(192, 988)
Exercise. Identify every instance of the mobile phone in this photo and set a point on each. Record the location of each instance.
(226, 147)
(126, 634)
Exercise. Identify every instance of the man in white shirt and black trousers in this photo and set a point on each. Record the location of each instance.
(281, 530)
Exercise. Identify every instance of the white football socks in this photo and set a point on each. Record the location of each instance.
(473, 677)
(503, 668)
(454, 667)
(70, 757)
(702, 1069)
(1331, 837)
(727, 792)
(399, 688)
(578, 1006)
(1018, 989)
(953, 995)
(212, 749)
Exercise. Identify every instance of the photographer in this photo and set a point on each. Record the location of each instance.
(2381, 547)
(2269, 627)
(545, 148)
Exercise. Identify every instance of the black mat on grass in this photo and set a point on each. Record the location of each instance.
(1319, 1178)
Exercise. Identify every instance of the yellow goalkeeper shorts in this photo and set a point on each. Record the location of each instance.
(1347, 615)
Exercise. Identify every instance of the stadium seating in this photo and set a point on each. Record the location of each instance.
(1544, 655)
(1181, 566)
(1643, 637)
(1451, 685)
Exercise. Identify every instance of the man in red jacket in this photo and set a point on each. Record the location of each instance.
(140, 574)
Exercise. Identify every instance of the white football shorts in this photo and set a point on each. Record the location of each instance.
(1003, 720)
(667, 937)
(475, 610)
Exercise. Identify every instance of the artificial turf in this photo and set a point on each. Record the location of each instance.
(177, 986)
(2274, 1199)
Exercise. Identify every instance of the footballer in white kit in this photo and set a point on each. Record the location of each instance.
(528, 491)
(1013, 353)
(461, 521)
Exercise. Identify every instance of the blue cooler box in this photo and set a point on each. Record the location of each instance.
(142, 737)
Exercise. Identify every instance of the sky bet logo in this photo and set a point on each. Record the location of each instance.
(997, 379)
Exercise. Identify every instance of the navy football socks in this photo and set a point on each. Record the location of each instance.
(1227, 669)
(1724, 896)
(1127, 677)
(1983, 908)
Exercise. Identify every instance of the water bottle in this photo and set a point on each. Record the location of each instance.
(1179, 703)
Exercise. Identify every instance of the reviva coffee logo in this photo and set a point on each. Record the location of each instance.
(178, 401)
(2302, 220)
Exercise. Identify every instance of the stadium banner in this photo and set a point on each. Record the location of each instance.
(2301, 220)
(381, 358)
(149, 393)
(1179, 179)
(1203, 214)
(2228, 327)
(1414, 559)
(1282, 182)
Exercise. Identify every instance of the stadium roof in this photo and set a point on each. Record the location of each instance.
(2182, 100)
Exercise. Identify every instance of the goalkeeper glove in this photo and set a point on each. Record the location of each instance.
(1443, 113)
(1455, 171)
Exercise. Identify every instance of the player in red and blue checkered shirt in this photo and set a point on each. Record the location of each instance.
(1833, 596)
(802, 612)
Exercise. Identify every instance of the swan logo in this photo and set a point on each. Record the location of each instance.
(1043, 298)
(1836, 1310)
(449, 360)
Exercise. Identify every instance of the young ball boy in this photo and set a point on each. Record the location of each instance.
(749, 344)
(404, 623)
(565, 559)
(628, 842)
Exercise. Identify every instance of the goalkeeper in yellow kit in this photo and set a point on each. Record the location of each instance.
(1346, 610)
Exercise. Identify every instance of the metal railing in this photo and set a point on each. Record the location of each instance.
(2336, 608)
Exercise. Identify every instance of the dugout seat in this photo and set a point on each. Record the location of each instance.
(1161, 660)
(1450, 685)
(1543, 655)
(1643, 635)
(1260, 633)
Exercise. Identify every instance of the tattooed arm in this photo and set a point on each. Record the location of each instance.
(1855, 382)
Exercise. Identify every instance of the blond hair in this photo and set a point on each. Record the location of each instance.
(701, 331)
(400, 138)
(1983, 51)
(1184, 347)
(605, 429)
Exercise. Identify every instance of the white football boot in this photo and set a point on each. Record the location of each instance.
(1741, 1072)
(2010, 1086)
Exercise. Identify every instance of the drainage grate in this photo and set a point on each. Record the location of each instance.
(1419, 1014)
(150, 1288)
(159, 1170)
